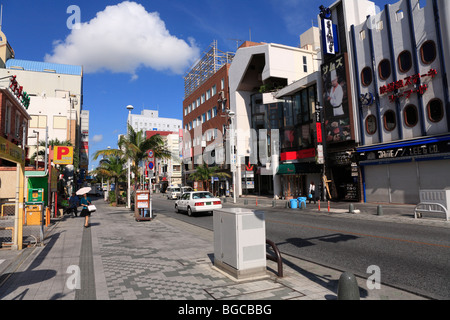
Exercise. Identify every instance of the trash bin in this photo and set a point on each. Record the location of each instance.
(294, 203)
(300, 200)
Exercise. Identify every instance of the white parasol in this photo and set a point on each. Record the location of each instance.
(83, 191)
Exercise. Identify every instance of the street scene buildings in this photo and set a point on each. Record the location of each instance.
(360, 109)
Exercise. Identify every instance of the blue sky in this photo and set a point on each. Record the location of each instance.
(142, 60)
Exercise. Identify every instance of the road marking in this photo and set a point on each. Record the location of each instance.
(361, 234)
(1, 261)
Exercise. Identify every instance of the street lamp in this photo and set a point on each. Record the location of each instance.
(231, 136)
(129, 108)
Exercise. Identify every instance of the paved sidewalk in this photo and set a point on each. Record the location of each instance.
(164, 259)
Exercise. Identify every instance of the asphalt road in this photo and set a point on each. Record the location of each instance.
(411, 257)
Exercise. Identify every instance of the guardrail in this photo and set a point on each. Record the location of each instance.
(429, 207)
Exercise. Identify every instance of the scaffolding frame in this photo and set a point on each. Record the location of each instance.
(211, 62)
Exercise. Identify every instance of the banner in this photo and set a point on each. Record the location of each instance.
(9, 151)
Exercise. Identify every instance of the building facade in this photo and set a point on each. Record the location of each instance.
(274, 130)
(205, 118)
(400, 59)
(149, 120)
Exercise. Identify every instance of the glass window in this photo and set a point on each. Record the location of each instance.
(208, 95)
(411, 116)
(208, 116)
(366, 76)
(384, 69)
(371, 124)
(405, 61)
(389, 120)
(59, 122)
(213, 90)
(435, 110)
(214, 112)
(428, 52)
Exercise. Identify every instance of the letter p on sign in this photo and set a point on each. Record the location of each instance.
(63, 155)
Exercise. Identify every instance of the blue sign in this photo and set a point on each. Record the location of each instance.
(151, 165)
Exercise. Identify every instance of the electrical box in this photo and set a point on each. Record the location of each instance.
(436, 196)
(240, 242)
(34, 215)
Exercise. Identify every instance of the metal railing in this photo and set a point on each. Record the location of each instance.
(277, 258)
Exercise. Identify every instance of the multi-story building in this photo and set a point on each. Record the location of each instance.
(274, 127)
(168, 171)
(400, 60)
(149, 120)
(205, 117)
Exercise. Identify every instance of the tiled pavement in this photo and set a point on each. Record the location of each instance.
(164, 259)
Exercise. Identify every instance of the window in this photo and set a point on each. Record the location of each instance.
(17, 125)
(362, 34)
(435, 110)
(305, 64)
(202, 99)
(38, 121)
(428, 52)
(189, 108)
(198, 103)
(208, 94)
(411, 116)
(389, 120)
(8, 119)
(203, 117)
(222, 84)
(371, 124)
(59, 122)
(213, 90)
(405, 61)
(384, 69)
(214, 112)
(208, 116)
(366, 76)
(399, 15)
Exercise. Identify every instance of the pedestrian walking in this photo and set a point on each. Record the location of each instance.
(312, 192)
(74, 202)
(85, 202)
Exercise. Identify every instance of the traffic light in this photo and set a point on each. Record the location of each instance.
(25, 100)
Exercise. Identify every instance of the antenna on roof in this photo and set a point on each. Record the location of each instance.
(1, 16)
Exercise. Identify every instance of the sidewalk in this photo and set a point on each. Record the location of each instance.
(164, 259)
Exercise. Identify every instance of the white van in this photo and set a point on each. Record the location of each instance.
(186, 189)
(173, 192)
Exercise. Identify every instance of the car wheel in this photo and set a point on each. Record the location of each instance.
(189, 212)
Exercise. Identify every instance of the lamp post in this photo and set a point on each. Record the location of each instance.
(231, 136)
(129, 108)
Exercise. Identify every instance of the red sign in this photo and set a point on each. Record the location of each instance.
(319, 132)
(408, 81)
(296, 155)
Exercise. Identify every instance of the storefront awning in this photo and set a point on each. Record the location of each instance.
(298, 168)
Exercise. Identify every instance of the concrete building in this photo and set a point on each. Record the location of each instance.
(400, 62)
(149, 120)
(264, 120)
(205, 117)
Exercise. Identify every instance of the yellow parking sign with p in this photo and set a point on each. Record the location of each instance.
(63, 155)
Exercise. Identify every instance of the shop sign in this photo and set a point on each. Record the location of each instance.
(11, 152)
(23, 97)
(407, 151)
(413, 80)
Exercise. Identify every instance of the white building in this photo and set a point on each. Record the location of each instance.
(258, 70)
(149, 120)
(56, 98)
(400, 61)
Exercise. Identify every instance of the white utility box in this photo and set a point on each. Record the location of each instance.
(436, 196)
(240, 242)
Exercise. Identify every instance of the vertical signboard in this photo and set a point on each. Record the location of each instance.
(337, 101)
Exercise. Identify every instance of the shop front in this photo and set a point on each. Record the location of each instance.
(296, 177)
(396, 172)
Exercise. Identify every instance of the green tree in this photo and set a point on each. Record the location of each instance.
(204, 173)
(135, 146)
(112, 168)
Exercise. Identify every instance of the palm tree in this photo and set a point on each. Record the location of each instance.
(112, 168)
(204, 173)
(135, 147)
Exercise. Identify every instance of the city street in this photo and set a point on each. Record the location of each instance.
(410, 256)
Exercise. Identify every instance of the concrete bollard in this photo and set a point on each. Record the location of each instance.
(379, 210)
(245, 201)
(348, 287)
(273, 203)
(351, 208)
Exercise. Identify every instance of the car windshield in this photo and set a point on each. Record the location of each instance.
(202, 195)
(176, 190)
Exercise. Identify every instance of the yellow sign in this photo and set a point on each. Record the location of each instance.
(63, 155)
(9, 151)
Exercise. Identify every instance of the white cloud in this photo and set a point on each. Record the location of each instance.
(97, 138)
(123, 38)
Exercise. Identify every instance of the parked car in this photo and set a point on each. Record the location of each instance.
(173, 192)
(197, 201)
